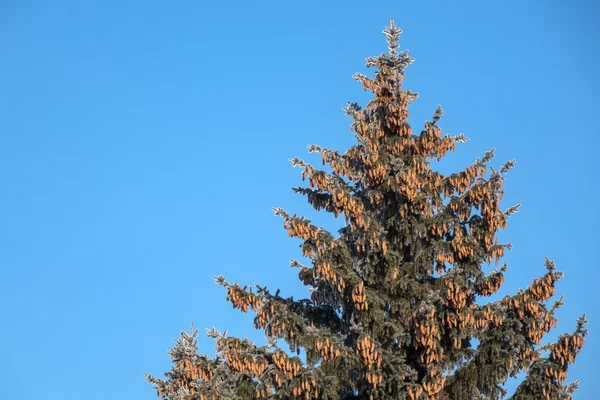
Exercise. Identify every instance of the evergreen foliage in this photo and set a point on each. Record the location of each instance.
(393, 310)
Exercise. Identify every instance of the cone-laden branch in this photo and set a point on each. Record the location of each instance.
(545, 381)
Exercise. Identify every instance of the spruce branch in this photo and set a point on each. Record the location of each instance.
(404, 60)
(193, 333)
(297, 162)
(353, 110)
(213, 333)
(272, 342)
(581, 323)
(558, 303)
(487, 156)
(549, 264)
(392, 35)
(296, 264)
(264, 293)
(412, 96)
(152, 379)
(359, 77)
(502, 268)
(395, 60)
(280, 212)
(313, 148)
(512, 210)
(572, 387)
(507, 166)
(220, 280)
(373, 61)
(461, 138)
(437, 115)
(546, 347)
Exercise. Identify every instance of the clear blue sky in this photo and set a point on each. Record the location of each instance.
(143, 144)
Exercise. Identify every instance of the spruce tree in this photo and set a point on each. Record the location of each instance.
(396, 307)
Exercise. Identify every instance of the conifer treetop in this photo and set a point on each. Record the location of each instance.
(395, 306)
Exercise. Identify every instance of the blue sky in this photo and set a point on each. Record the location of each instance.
(143, 145)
